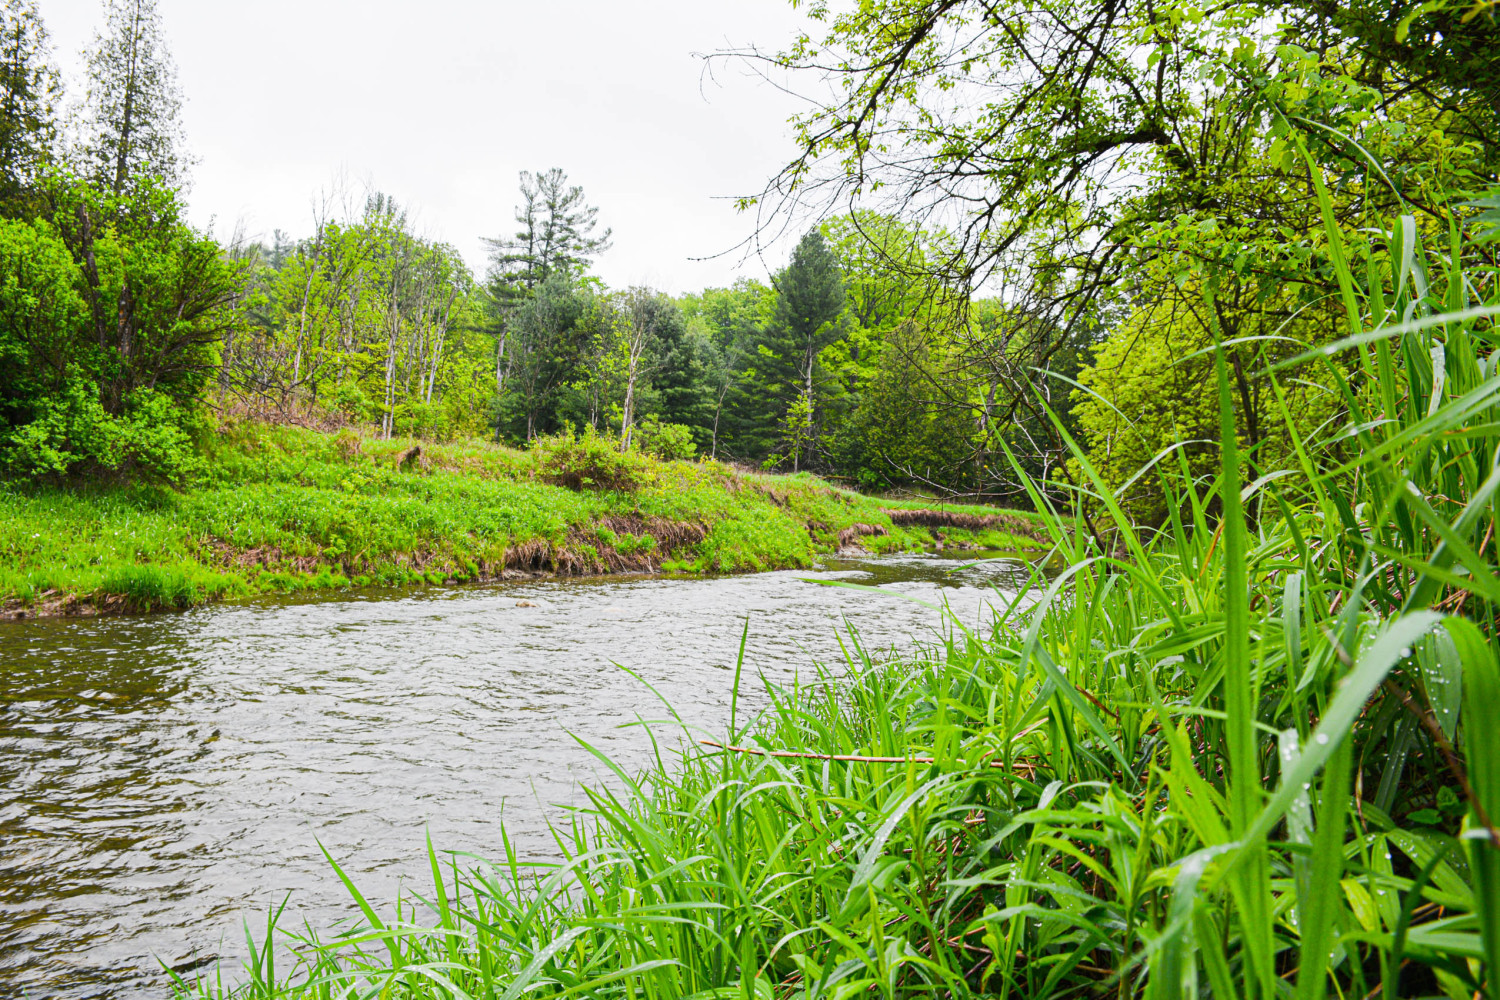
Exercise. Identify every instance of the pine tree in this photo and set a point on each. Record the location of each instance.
(556, 235)
(555, 240)
(29, 89)
(131, 113)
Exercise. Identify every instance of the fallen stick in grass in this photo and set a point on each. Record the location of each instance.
(856, 758)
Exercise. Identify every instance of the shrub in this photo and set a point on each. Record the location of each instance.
(152, 440)
(424, 420)
(588, 462)
(352, 401)
(668, 442)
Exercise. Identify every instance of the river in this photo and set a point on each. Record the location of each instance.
(164, 777)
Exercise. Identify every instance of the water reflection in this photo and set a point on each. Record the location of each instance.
(163, 776)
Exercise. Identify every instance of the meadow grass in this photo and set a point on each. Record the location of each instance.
(1245, 753)
(286, 509)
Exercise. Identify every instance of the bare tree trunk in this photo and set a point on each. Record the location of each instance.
(713, 450)
(641, 329)
(629, 415)
(393, 327)
(122, 155)
(807, 382)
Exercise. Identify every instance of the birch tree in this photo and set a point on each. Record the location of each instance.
(641, 314)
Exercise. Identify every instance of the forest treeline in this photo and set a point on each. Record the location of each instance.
(837, 364)
(903, 343)
(123, 329)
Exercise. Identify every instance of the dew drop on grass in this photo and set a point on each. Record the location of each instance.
(1322, 739)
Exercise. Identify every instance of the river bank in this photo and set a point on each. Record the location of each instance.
(284, 509)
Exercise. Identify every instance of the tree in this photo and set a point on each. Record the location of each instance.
(110, 328)
(542, 352)
(641, 314)
(131, 108)
(556, 237)
(809, 304)
(687, 384)
(556, 234)
(1150, 387)
(29, 90)
(903, 436)
(732, 321)
(1047, 137)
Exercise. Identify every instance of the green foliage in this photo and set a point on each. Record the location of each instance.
(369, 319)
(588, 461)
(132, 128)
(110, 317)
(1149, 392)
(555, 238)
(669, 442)
(154, 440)
(30, 89)
(806, 319)
(896, 434)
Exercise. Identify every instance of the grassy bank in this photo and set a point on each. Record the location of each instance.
(285, 509)
(1249, 757)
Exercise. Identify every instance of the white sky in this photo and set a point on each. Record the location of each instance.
(441, 103)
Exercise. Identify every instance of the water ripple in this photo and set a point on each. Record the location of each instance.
(163, 777)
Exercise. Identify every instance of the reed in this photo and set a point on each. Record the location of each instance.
(1241, 754)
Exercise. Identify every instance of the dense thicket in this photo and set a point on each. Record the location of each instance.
(113, 311)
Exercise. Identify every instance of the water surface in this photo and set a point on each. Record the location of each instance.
(164, 777)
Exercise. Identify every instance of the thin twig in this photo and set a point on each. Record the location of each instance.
(856, 758)
(1430, 723)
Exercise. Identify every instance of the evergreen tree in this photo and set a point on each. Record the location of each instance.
(29, 88)
(809, 307)
(687, 387)
(555, 239)
(542, 353)
(743, 418)
(556, 234)
(131, 112)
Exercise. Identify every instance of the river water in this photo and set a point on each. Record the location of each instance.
(163, 778)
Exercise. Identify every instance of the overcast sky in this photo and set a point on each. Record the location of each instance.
(441, 103)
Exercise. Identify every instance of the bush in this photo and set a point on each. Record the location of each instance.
(588, 462)
(667, 442)
(111, 317)
(424, 420)
(353, 402)
(153, 440)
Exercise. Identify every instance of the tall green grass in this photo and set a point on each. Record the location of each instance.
(1247, 753)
